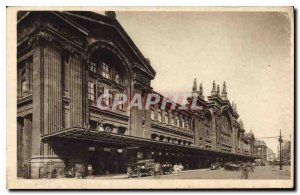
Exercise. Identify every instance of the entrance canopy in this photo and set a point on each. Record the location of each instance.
(94, 136)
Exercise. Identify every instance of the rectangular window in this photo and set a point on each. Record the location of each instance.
(120, 103)
(24, 86)
(91, 91)
(106, 96)
(105, 72)
(92, 66)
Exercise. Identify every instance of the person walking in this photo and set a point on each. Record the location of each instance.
(180, 167)
(157, 169)
(176, 169)
(90, 170)
(245, 171)
(252, 167)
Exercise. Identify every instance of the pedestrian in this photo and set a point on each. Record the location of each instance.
(245, 171)
(252, 167)
(175, 169)
(54, 173)
(90, 170)
(156, 169)
(180, 167)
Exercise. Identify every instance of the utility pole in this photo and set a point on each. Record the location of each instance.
(280, 151)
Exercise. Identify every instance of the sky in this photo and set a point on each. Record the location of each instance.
(251, 51)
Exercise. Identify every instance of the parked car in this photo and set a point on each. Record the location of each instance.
(141, 168)
(215, 166)
(232, 166)
(166, 168)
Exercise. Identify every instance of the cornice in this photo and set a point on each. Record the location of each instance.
(51, 36)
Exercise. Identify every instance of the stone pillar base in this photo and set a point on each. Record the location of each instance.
(46, 167)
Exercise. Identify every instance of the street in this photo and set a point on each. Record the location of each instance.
(260, 172)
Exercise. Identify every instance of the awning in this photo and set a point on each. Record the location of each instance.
(94, 136)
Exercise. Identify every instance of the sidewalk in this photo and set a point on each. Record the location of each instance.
(110, 176)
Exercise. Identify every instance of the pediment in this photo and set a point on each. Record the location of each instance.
(82, 27)
(101, 27)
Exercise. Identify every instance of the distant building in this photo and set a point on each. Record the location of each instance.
(270, 156)
(260, 150)
(250, 140)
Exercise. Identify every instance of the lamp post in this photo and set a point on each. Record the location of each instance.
(280, 151)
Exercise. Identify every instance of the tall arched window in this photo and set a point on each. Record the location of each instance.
(177, 121)
(187, 124)
(172, 119)
(166, 117)
(152, 114)
(207, 124)
(159, 115)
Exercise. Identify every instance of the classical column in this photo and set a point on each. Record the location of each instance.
(19, 146)
(37, 97)
(52, 89)
(76, 88)
(27, 137)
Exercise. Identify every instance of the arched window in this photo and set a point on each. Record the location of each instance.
(187, 124)
(166, 117)
(172, 119)
(152, 114)
(207, 124)
(159, 115)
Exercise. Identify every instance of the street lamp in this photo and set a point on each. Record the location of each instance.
(280, 151)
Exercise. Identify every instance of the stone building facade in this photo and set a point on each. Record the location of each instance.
(260, 150)
(65, 60)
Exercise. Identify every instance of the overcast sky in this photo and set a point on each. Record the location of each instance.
(251, 51)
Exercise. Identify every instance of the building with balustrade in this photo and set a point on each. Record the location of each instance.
(65, 61)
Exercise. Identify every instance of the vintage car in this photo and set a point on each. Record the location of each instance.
(215, 166)
(259, 162)
(141, 168)
(166, 168)
(232, 166)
